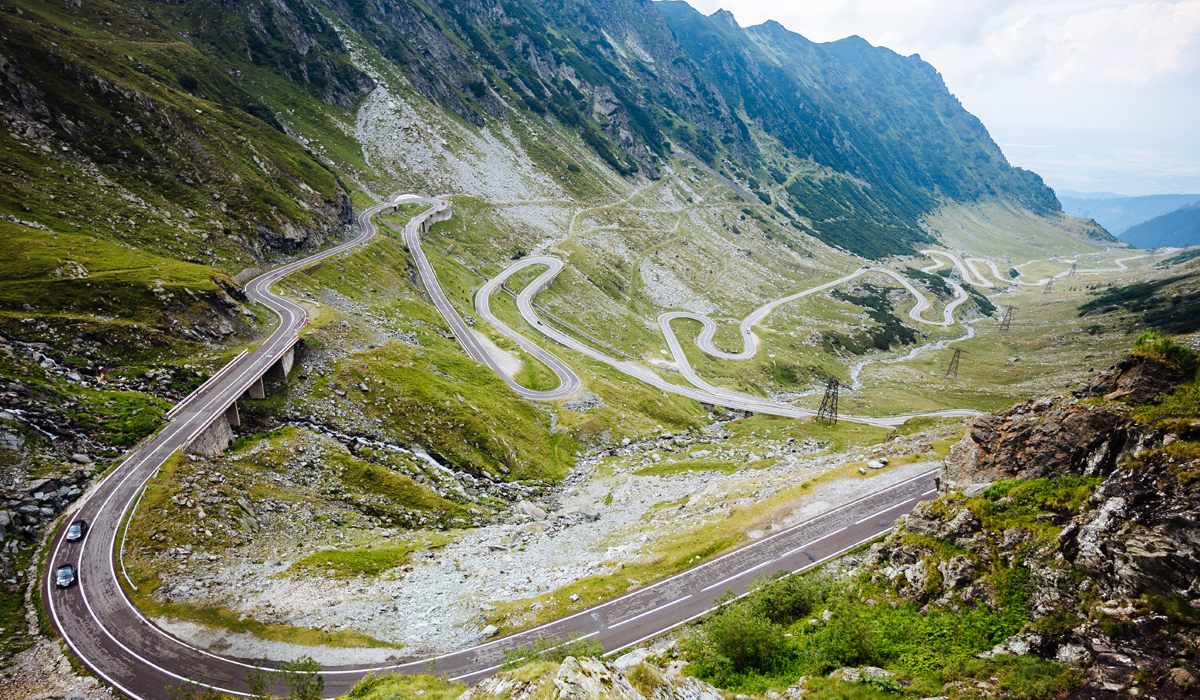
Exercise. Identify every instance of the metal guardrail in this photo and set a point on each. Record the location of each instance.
(200, 389)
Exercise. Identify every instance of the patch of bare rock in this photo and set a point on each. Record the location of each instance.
(589, 679)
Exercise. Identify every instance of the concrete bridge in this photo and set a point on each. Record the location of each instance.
(214, 405)
(216, 434)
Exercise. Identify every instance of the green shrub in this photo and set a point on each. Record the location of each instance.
(1181, 404)
(848, 639)
(786, 600)
(743, 640)
(1178, 356)
(885, 685)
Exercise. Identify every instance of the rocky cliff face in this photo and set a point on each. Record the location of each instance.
(1099, 513)
(1060, 435)
(1141, 531)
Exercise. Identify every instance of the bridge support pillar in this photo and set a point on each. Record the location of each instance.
(232, 415)
(707, 406)
(256, 390)
(283, 365)
(215, 438)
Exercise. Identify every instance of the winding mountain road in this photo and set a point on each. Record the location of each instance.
(95, 618)
(102, 627)
(700, 390)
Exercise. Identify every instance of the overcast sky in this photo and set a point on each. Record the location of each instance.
(1092, 95)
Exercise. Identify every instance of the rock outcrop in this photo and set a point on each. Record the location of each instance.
(1038, 439)
(1139, 377)
(1116, 592)
(1143, 533)
(591, 679)
(1060, 435)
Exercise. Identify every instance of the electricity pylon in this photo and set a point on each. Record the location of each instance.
(1006, 322)
(829, 405)
(953, 371)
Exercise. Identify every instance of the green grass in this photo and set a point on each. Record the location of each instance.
(121, 418)
(689, 465)
(392, 686)
(118, 282)
(470, 414)
(348, 564)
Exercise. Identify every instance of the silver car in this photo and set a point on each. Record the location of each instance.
(77, 530)
(64, 576)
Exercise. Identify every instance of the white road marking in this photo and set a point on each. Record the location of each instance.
(649, 612)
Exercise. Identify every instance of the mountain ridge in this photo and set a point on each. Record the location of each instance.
(1119, 214)
(1176, 229)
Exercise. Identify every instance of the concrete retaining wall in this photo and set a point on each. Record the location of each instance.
(435, 217)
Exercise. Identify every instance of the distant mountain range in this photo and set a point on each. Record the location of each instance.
(1075, 194)
(1118, 213)
(1177, 229)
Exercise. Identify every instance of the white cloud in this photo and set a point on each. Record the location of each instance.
(1111, 69)
(1130, 45)
(1125, 43)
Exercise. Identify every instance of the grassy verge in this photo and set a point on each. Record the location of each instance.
(690, 465)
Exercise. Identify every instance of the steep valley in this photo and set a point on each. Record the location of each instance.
(391, 498)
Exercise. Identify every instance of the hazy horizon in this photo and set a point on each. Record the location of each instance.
(1094, 96)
